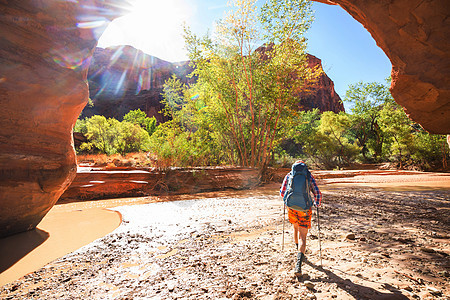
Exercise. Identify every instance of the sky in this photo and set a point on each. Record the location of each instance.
(348, 52)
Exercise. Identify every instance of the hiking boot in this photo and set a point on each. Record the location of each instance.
(298, 265)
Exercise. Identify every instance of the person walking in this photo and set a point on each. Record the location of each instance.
(300, 214)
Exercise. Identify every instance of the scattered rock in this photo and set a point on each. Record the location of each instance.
(350, 236)
(427, 250)
(309, 284)
(240, 269)
(434, 291)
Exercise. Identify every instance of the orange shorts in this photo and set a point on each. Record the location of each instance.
(303, 219)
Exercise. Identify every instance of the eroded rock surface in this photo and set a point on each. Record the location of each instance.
(320, 94)
(105, 184)
(44, 56)
(414, 34)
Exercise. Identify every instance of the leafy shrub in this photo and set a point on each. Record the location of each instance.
(110, 136)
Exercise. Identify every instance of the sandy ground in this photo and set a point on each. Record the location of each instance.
(382, 237)
(66, 228)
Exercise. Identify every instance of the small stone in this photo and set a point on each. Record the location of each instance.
(434, 291)
(362, 239)
(309, 284)
(445, 273)
(427, 250)
(311, 296)
(170, 286)
(350, 236)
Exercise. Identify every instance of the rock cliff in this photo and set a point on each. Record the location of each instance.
(320, 94)
(44, 58)
(123, 78)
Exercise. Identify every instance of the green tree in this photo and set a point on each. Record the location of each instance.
(248, 95)
(99, 134)
(111, 136)
(397, 127)
(80, 126)
(334, 128)
(299, 137)
(140, 118)
(367, 100)
(131, 138)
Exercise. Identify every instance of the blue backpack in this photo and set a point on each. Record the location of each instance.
(297, 195)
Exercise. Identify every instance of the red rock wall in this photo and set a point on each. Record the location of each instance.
(44, 58)
(141, 87)
(414, 34)
(320, 93)
(102, 184)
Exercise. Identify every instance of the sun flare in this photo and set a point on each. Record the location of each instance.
(153, 26)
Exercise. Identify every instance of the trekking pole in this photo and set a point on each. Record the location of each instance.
(284, 217)
(320, 244)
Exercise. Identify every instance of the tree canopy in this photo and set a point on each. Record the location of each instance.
(244, 96)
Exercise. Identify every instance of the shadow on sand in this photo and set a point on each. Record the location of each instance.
(356, 290)
(15, 247)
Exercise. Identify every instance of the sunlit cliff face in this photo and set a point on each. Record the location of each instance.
(45, 53)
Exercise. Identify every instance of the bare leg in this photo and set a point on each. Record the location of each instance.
(296, 233)
(303, 232)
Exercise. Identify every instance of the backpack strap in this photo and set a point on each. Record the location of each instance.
(308, 186)
(288, 186)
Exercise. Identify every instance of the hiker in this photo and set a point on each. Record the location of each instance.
(300, 213)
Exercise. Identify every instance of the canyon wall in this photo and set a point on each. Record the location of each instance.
(122, 78)
(414, 34)
(320, 93)
(45, 48)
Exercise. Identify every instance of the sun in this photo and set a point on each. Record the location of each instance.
(154, 26)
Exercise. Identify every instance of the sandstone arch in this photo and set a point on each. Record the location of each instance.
(44, 58)
(414, 34)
